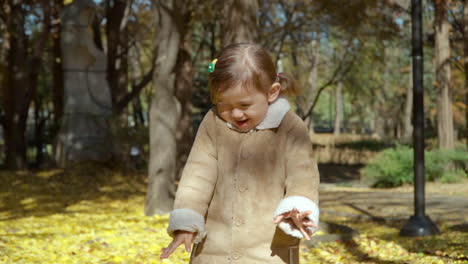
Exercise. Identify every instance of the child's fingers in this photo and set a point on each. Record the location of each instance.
(296, 220)
(304, 233)
(306, 213)
(163, 253)
(310, 223)
(187, 245)
(278, 218)
(168, 251)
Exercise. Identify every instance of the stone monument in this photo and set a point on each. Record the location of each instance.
(85, 132)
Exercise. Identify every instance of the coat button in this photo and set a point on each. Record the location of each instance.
(242, 189)
(236, 255)
(247, 154)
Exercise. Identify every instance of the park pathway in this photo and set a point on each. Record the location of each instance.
(444, 202)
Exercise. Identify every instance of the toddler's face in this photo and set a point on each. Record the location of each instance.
(245, 108)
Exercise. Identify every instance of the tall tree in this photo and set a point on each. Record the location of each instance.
(57, 73)
(126, 30)
(23, 62)
(183, 92)
(165, 108)
(401, 10)
(241, 23)
(383, 117)
(117, 47)
(312, 80)
(465, 62)
(443, 76)
(407, 132)
(338, 108)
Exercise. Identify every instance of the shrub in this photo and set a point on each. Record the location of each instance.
(394, 167)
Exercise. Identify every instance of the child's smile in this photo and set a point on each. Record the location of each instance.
(244, 108)
(242, 124)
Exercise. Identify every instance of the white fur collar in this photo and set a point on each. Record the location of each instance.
(275, 114)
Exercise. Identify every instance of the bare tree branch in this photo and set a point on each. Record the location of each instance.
(338, 75)
(136, 89)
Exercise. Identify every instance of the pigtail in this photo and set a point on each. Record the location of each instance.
(288, 84)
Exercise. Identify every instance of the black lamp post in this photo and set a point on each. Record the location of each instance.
(419, 224)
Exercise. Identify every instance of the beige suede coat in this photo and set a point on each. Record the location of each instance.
(235, 183)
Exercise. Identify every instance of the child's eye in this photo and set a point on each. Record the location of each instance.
(223, 108)
(245, 105)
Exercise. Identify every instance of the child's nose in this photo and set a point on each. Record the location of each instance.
(236, 113)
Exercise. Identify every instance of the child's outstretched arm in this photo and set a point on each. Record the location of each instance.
(298, 213)
(195, 189)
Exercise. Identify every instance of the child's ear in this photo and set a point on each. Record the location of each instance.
(274, 92)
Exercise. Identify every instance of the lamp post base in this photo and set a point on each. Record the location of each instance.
(419, 226)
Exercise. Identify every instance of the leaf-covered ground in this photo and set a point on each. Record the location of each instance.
(94, 215)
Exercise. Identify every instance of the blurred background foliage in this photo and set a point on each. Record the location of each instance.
(352, 61)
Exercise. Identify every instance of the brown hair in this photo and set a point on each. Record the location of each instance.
(248, 65)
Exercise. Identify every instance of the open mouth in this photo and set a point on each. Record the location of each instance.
(242, 124)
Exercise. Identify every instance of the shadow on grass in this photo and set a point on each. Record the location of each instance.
(353, 248)
(449, 247)
(381, 215)
(463, 227)
(338, 173)
(345, 236)
(43, 193)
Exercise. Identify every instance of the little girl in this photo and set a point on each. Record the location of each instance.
(249, 190)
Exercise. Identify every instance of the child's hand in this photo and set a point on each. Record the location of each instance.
(300, 220)
(179, 238)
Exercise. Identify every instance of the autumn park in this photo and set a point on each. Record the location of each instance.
(101, 101)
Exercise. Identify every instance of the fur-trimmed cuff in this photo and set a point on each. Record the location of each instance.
(187, 220)
(302, 204)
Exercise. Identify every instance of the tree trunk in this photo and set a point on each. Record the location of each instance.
(445, 126)
(338, 109)
(382, 119)
(465, 53)
(138, 113)
(23, 64)
(38, 131)
(117, 59)
(135, 73)
(379, 124)
(165, 109)
(312, 82)
(184, 90)
(407, 134)
(15, 88)
(118, 46)
(57, 73)
(117, 67)
(241, 23)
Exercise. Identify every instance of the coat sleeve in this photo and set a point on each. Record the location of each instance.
(302, 178)
(199, 176)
